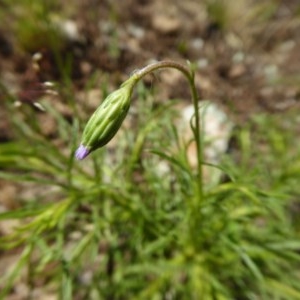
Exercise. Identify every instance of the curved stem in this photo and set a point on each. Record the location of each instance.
(189, 74)
(163, 65)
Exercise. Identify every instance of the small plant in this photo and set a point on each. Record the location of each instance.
(118, 228)
(105, 123)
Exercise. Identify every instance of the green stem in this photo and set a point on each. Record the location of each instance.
(189, 74)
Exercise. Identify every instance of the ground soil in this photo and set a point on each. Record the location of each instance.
(249, 64)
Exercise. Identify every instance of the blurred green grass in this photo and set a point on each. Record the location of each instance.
(127, 227)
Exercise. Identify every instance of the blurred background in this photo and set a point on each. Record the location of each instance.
(246, 52)
(246, 55)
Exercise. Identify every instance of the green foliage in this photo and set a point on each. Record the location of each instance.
(34, 25)
(126, 224)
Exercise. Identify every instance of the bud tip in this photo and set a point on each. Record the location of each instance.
(81, 152)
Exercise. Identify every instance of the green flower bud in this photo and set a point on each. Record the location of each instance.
(106, 120)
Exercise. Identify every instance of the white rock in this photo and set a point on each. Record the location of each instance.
(216, 128)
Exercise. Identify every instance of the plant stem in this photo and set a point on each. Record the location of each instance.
(189, 74)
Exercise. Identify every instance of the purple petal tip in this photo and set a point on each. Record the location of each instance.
(81, 152)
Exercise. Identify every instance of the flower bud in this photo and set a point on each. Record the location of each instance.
(106, 120)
